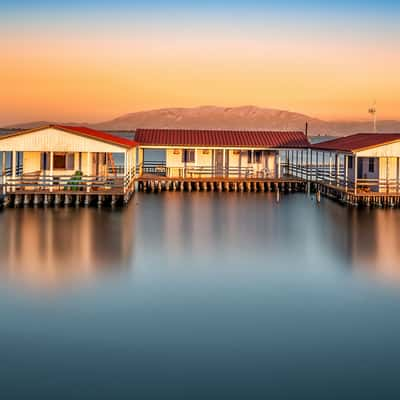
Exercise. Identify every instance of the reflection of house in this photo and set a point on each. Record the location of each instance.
(66, 158)
(205, 153)
(373, 243)
(52, 249)
(361, 162)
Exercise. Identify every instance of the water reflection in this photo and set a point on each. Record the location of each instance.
(231, 294)
(203, 231)
(214, 231)
(371, 240)
(55, 247)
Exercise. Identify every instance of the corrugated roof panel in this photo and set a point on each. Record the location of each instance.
(358, 141)
(221, 138)
(80, 130)
(98, 135)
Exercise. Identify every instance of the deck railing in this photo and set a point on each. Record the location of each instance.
(35, 182)
(161, 170)
(336, 177)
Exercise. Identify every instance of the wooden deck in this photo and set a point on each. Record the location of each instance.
(153, 183)
(363, 198)
(28, 190)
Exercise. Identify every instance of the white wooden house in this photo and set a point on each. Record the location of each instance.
(66, 159)
(216, 153)
(364, 162)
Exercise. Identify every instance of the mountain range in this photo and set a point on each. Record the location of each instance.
(240, 118)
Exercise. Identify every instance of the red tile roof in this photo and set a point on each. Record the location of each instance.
(221, 138)
(83, 131)
(360, 141)
(103, 136)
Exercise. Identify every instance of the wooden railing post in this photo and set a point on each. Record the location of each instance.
(279, 165)
(51, 170)
(14, 168)
(387, 174)
(88, 175)
(3, 170)
(355, 167)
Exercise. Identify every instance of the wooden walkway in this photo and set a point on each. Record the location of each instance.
(361, 198)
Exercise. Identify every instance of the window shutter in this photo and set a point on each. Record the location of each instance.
(70, 161)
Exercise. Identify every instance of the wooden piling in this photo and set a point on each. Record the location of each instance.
(17, 200)
(27, 200)
(36, 199)
(57, 200)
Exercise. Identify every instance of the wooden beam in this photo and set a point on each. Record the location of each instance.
(125, 167)
(52, 169)
(355, 167)
(278, 174)
(14, 168)
(4, 177)
(88, 174)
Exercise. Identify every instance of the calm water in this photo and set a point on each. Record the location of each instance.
(201, 295)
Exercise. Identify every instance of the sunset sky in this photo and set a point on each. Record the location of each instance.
(69, 62)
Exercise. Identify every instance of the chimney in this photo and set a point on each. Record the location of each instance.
(306, 129)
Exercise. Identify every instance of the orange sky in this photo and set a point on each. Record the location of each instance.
(55, 73)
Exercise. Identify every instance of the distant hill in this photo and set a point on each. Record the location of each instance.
(246, 118)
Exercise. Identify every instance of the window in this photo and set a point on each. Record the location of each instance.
(371, 165)
(63, 161)
(350, 162)
(249, 157)
(188, 156)
(254, 157)
(70, 161)
(59, 161)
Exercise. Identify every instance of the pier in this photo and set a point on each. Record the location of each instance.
(220, 184)
(64, 166)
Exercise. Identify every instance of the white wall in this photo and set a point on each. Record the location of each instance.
(387, 150)
(31, 162)
(204, 158)
(51, 139)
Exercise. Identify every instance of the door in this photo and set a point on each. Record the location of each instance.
(360, 172)
(219, 162)
(226, 163)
